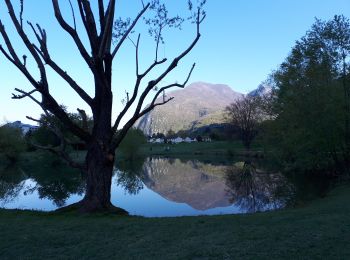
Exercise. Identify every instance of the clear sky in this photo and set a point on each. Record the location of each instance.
(242, 42)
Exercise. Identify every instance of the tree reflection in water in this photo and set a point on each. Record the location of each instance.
(202, 185)
(128, 175)
(253, 190)
(11, 183)
(52, 181)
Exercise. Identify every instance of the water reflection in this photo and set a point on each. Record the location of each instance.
(154, 187)
(42, 180)
(11, 184)
(254, 190)
(197, 184)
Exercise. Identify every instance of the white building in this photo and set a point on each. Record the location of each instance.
(177, 140)
(24, 127)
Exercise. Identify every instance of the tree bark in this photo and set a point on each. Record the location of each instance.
(98, 180)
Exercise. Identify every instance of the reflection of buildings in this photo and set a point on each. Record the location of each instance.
(191, 182)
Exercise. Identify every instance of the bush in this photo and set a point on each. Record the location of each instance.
(11, 143)
(129, 147)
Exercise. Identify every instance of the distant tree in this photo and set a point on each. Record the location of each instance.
(182, 133)
(312, 104)
(199, 138)
(12, 142)
(50, 129)
(245, 114)
(105, 36)
(170, 134)
(131, 144)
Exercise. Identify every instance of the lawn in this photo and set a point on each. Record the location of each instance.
(320, 230)
(217, 148)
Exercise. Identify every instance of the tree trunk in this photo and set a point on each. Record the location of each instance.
(97, 198)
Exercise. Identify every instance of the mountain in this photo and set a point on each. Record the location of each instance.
(197, 105)
(260, 91)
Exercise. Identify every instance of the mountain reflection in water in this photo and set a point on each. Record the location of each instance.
(155, 187)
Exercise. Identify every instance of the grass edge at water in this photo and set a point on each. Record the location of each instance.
(321, 229)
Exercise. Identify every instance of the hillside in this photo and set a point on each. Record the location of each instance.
(196, 105)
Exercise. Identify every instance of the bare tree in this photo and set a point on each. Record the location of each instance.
(104, 138)
(245, 114)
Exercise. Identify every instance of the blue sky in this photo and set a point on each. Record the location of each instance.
(242, 42)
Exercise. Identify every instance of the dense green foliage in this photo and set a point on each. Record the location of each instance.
(11, 142)
(311, 106)
(319, 231)
(51, 130)
(131, 144)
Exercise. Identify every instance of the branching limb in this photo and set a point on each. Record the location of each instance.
(61, 150)
(89, 23)
(73, 33)
(13, 58)
(139, 78)
(73, 15)
(172, 65)
(199, 19)
(119, 137)
(48, 102)
(44, 52)
(126, 34)
(84, 118)
(24, 94)
(101, 11)
(29, 46)
(173, 85)
(108, 30)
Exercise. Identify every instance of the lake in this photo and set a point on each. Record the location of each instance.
(157, 187)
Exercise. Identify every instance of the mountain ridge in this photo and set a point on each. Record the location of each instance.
(194, 106)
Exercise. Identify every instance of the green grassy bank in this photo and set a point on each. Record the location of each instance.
(217, 148)
(320, 230)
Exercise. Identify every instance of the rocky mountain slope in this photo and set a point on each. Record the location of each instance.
(194, 106)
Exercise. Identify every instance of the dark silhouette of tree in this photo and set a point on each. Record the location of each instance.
(256, 191)
(245, 114)
(104, 138)
(311, 130)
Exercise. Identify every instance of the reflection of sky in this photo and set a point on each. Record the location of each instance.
(150, 204)
(146, 202)
(31, 200)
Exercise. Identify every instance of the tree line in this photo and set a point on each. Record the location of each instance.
(305, 121)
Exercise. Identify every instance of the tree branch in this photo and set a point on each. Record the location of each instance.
(136, 87)
(101, 11)
(153, 104)
(44, 52)
(29, 46)
(108, 30)
(119, 44)
(174, 85)
(153, 83)
(90, 25)
(73, 33)
(73, 15)
(173, 65)
(61, 151)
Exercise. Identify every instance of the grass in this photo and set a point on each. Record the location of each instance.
(320, 230)
(217, 148)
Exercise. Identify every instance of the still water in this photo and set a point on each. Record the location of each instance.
(156, 187)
